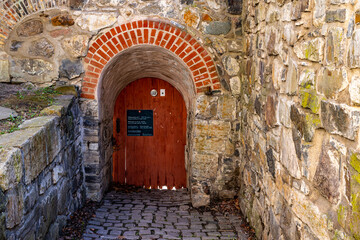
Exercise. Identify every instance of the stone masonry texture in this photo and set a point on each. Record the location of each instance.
(271, 88)
(41, 176)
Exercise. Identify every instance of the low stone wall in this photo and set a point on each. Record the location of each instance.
(41, 173)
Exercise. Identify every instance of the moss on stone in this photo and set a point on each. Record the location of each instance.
(312, 119)
(357, 178)
(310, 50)
(355, 162)
(309, 99)
(341, 215)
(355, 202)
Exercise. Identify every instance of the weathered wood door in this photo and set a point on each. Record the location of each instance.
(150, 161)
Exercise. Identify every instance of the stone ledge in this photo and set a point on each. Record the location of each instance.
(36, 142)
(10, 168)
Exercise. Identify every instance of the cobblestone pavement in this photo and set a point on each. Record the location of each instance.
(159, 214)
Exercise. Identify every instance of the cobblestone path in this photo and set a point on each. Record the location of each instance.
(159, 214)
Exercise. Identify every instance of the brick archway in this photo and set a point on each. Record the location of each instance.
(149, 32)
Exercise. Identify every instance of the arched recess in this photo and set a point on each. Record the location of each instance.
(152, 33)
(143, 48)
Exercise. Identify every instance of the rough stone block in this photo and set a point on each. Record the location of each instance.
(60, 33)
(32, 143)
(277, 69)
(4, 71)
(53, 140)
(76, 46)
(71, 69)
(36, 161)
(150, 9)
(57, 173)
(191, 18)
(53, 110)
(354, 90)
(41, 48)
(307, 78)
(63, 196)
(272, 38)
(234, 6)
(231, 65)
(309, 99)
(200, 198)
(312, 50)
(204, 166)
(308, 212)
(31, 197)
(45, 183)
(271, 161)
(40, 70)
(14, 206)
(48, 212)
(62, 20)
(319, 11)
(327, 179)
(235, 85)
(289, 34)
(354, 50)
(30, 28)
(304, 123)
(93, 146)
(235, 45)
(37, 122)
(218, 28)
(10, 167)
(211, 136)
(338, 15)
(288, 156)
(286, 12)
(331, 81)
(95, 21)
(76, 4)
(340, 119)
(206, 107)
(271, 117)
(284, 112)
(227, 107)
(292, 78)
(335, 47)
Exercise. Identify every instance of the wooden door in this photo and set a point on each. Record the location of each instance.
(150, 161)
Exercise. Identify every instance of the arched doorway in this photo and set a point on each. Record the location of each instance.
(149, 130)
(158, 50)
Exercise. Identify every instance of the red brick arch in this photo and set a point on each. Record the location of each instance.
(149, 32)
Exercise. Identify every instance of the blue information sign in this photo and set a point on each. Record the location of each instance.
(140, 123)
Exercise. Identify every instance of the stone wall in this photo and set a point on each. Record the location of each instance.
(280, 132)
(71, 42)
(41, 173)
(299, 123)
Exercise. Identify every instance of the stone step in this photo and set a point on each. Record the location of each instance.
(5, 113)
